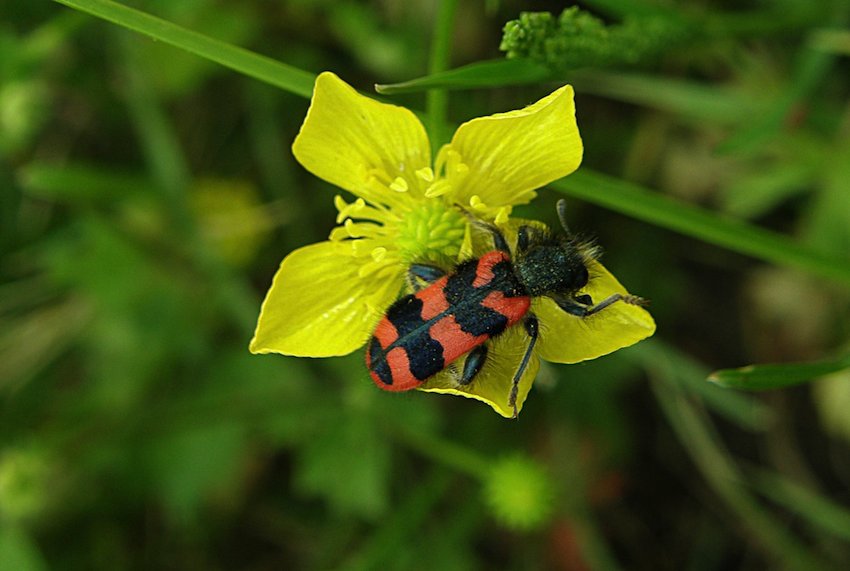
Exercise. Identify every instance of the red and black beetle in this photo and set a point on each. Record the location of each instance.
(424, 332)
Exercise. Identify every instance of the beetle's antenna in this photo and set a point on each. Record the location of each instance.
(562, 215)
(498, 238)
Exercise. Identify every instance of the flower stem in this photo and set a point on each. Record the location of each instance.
(437, 100)
(446, 452)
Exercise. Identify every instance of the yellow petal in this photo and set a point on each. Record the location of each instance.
(319, 307)
(348, 140)
(493, 383)
(565, 338)
(511, 154)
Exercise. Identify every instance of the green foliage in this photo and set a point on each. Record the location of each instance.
(577, 39)
(147, 194)
(18, 551)
(764, 377)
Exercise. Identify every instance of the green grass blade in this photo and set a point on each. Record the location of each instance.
(812, 69)
(683, 98)
(700, 440)
(733, 234)
(491, 73)
(265, 69)
(744, 410)
(822, 513)
(773, 376)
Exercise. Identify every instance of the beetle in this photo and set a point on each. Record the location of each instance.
(458, 312)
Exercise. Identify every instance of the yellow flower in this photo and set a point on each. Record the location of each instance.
(326, 298)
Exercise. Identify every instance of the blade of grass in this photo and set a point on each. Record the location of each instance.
(698, 438)
(249, 63)
(736, 235)
(491, 73)
(822, 513)
(403, 525)
(773, 376)
(689, 99)
(813, 67)
(156, 135)
(743, 410)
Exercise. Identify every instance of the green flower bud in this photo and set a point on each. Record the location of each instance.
(519, 492)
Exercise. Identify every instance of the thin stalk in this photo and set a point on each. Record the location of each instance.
(437, 100)
(447, 453)
(403, 524)
(157, 137)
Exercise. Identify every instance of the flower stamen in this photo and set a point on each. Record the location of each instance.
(399, 185)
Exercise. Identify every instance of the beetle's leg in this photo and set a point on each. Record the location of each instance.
(575, 306)
(584, 299)
(473, 364)
(532, 328)
(498, 238)
(420, 275)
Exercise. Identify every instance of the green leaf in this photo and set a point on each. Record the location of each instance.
(491, 73)
(772, 376)
(733, 234)
(251, 64)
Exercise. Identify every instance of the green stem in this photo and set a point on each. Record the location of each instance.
(437, 100)
(448, 453)
(403, 525)
(157, 137)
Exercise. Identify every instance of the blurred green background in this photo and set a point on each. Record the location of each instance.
(148, 195)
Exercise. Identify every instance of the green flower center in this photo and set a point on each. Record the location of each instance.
(432, 232)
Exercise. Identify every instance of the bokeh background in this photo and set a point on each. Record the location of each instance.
(147, 197)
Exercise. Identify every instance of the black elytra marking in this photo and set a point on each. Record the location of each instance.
(424, 354)
(472, 317)
(378, 362)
